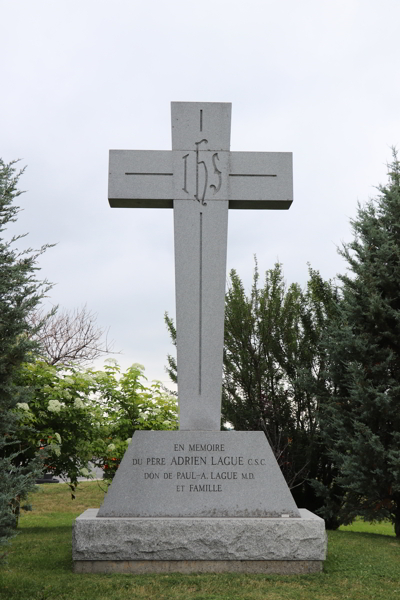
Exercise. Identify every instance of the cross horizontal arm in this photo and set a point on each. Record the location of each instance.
(254, 180)
(141, 179)
(260, 180)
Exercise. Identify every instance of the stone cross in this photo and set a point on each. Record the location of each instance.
(200, 179)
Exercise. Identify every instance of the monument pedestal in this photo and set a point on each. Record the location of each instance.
(198, 545)
(196, 502)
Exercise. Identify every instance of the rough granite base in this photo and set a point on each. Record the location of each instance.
(139, 567)
(190, 545)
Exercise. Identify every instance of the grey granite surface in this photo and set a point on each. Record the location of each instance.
(199, 474)
(216, 539)
(200, 178)
(138, 567)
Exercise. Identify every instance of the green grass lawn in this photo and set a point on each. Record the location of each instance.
(363, 563)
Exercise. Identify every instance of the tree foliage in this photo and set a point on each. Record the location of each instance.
(361, 423)
(274, 373)
(20, 293)
(129, 404)
(88, 416)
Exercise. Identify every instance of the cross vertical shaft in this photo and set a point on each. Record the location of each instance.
(200, 138)
(200, 266)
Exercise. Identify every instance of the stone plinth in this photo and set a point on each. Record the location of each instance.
(190, 545)
(140, 567)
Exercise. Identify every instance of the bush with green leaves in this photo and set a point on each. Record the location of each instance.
(128, 404)
(83, 416)
(63, 417)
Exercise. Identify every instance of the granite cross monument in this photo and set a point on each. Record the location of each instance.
(200, 178)
(199, 499)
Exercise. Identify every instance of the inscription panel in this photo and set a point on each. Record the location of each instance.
(199, 474)
(201, 174)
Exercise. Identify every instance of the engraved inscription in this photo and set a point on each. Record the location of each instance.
(150, 174)
(200, 296)
(202, 173)
(199, 468)
(216, 188)
(189, 460)
(185, 173)
(251, 175)
(200, 197)
(205, 488)
(152, 475)
(204, 447)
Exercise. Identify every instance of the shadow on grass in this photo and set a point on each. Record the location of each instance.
(374, 536)
(369, 535)
(33, 530)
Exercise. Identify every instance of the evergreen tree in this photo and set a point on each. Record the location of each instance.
(20, 293)
(361, 423)
(274, 373)
(261, 345)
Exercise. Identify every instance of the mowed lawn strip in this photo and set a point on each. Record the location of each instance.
(361, 565)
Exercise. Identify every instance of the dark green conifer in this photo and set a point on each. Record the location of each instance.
(20, 293)
(362, 421)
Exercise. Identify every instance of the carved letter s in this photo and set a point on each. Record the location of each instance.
(217, 172)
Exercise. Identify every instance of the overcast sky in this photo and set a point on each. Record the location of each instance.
(319, 78)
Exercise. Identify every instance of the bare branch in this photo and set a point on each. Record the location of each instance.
(69, 337)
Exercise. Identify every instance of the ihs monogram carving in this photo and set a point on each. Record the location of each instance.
(202, 173)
